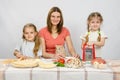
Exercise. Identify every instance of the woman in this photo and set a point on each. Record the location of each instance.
(55, 34)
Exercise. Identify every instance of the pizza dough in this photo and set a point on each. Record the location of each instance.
(8, 61)
(46, 65)
(25, 63)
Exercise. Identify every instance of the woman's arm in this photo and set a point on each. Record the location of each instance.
(70, 47)
(44, 53)
(49, 55)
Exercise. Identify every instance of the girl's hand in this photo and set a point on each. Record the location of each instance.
(90, 43)
(20, 56)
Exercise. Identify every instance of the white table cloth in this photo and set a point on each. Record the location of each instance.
(112, 72)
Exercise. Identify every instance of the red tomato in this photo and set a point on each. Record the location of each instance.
(99, 60)
(61, 60)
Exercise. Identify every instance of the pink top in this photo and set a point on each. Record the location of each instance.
(51, 42)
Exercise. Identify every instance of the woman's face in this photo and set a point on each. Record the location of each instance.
(29, 33)
(94, 24)
(55, 18)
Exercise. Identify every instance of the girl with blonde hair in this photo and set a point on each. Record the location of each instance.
(94, 35)
(29, 47)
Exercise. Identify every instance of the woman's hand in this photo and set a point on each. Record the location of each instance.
(76, 55)
(60, 55)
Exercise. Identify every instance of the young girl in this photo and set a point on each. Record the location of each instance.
(29, 47)
(94, 36)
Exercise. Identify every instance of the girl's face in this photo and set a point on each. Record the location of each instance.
(29, 33)
(94, 24)
(55, 18)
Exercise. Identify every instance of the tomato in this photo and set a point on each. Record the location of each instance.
(99, 60)
(61, 60)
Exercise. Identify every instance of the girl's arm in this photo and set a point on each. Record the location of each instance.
(18, 54)
(70, 47)
(101, 43)
(21, 56)
(83, 42)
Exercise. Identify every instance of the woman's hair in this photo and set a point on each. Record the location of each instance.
(49, 24)
(36, 40)
(90, 17)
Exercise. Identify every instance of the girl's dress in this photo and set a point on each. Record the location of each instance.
(26, 48)
(93, 36)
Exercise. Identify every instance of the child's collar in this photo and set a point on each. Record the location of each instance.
(95, 31)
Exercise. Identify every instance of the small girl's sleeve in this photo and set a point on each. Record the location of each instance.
(103, 35)
(19, 46)
(82, 37)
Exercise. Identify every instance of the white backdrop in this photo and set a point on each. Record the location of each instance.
(14, 14)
